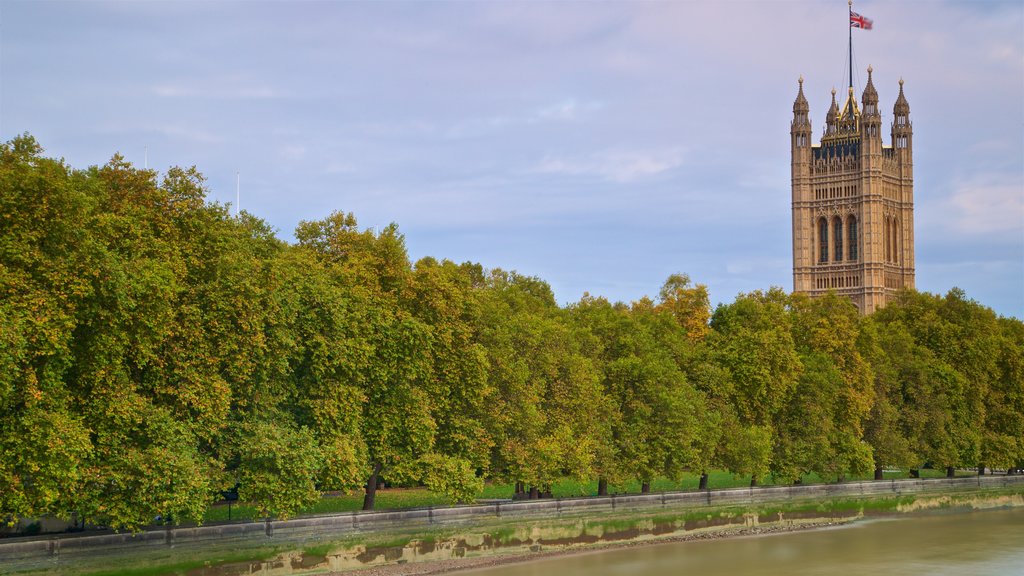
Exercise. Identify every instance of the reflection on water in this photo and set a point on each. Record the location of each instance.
(976, 543)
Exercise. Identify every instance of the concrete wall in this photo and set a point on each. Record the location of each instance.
(68, 550)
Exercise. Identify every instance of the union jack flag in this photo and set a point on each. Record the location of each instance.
(858, 21)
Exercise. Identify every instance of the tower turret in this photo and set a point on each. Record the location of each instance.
(801, 126)
(902, 131)
(803, 193)
(832, 118)
(870, 96)
(871, 120)
(901, 224)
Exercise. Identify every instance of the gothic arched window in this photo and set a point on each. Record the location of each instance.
(885, 240)
(823, 240)
(837, 230)
(851, 236)
(895, 237)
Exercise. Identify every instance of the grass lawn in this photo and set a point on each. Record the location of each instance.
(399, 498)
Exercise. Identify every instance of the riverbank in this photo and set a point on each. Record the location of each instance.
(496, 546)
(490, 533)
(950, 542)
(430, 568)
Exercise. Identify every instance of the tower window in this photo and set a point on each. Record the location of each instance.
(887, 241)
(823, 241)
(851, 236)
(837, 230)
(895, 242)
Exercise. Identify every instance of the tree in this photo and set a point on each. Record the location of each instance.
(689, 306)
(276, 466)
(889, 349)
(546, 395)
(946, 362)
(324, 336)
(834, 391)
(752, 341)
(446, 297)
(45, 247)
(397, 425)
(1003, 440)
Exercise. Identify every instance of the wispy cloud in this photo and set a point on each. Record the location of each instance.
(567, 110)
(615, 165)
(744, 267)
(230, 87)
(180, 132)
(986, 207)
(338, 167)
(293, 152)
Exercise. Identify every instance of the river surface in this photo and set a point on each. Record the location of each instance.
(978, 543)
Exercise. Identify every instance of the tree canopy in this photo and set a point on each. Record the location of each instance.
(156, 351)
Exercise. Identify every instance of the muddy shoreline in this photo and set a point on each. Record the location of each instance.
(432, 567)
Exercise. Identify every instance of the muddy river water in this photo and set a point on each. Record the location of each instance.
(978, 543)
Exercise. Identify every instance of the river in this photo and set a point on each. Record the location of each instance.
(971, 543)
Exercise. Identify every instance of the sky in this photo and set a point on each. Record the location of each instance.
(600, 146)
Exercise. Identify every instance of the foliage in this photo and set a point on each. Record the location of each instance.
(452, 477)
(156, 351)
(276, 467)
(689, 306)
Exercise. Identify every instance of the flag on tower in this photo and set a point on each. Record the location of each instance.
(858, 21)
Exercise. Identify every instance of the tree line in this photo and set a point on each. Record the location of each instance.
(156, 351)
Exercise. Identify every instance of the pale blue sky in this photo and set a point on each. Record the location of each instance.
(599, 145)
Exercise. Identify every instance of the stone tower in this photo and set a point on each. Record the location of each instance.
(853, 201)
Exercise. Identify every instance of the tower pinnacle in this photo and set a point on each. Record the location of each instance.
(902, 107)
(870, 96)
(800, 104)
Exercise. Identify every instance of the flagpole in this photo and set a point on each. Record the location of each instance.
(850, 30)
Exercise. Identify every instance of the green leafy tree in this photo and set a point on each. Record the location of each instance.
(835, 391)
(753, 343)
(546, 394)
(656, 409)
(325, 336)
(446, 297)
(690, 306)
(276, 466)
(45, 249)
(1003, 440)
(396, 424)
(947, 375)
(891, 351)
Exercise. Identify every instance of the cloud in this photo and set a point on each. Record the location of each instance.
(177, 132)
(986, 207)
(293, 152)
(231, 87)
(567, 110)
(337, 167)
(743, 267)
(615, 165)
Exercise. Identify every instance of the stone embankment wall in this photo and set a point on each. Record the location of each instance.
(54, 552)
